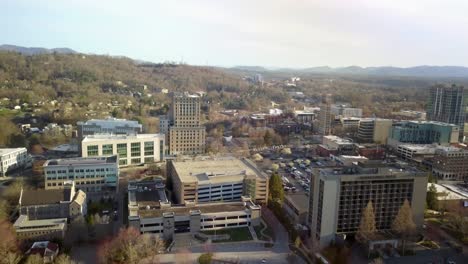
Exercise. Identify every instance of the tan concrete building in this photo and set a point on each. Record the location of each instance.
(40, 229)
(217, 180)
(325, 116)
(151, 212)
(374, 130)
(338, 196)
(186, 133)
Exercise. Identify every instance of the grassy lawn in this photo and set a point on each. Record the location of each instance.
(429, 244)
(4, 112)
(236, 234)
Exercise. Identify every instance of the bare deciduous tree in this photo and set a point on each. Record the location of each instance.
(403, 223)
(9, 251)
(367, 227)
(130, 247)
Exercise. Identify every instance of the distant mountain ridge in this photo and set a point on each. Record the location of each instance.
(35, 50)
(417, 71)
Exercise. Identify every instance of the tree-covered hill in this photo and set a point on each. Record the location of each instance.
(68, 75)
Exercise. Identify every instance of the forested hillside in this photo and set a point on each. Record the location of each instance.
(85, 76)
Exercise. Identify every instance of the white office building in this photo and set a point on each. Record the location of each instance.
(344, 111)
(93, 174)
(131, 149)
(13, 158)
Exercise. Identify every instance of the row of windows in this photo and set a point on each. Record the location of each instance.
(135, 149)
(78, 177)
(77, 183)
(80, 170)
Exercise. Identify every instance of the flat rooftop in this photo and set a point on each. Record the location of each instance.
(146, 193)
(379, 170)
(449, 192)
(103, 137)
(299, 200)
(5, 151)
(42, 197)
(185, 94)
(213, 171)
(337, 139)
(420, 148)
(111, 122)
(422, 122)
(81, 161)
(203, 208)
(24, 223)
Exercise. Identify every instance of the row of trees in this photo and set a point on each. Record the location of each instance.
(403, 224)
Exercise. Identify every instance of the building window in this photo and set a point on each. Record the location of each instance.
(122, 150)
(135, 149)
(107, 149)
(149, 159)
(149, 148)
(136, 161)
(93, 150)
(123, 162)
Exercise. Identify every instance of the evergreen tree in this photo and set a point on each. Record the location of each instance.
(431, 178)
(268, 138)
(276, 187)
(367, 227)
(431, 197)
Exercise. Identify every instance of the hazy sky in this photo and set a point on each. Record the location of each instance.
(283, 33)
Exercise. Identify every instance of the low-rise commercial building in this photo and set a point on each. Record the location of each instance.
(348, 160)
(304, 117)
(450, 196)
(13, 158)
(416, 152)
(371, 151)
(151, 212)
(44, 229)
(338, 196)
(131, 149)
(344, 111)
(59, 203)
(450, 163)
(350, 123)
(94, 174)
(296, 206)
(333, 145)
(217, 180)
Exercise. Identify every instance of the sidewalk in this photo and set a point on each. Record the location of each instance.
(253, 233)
